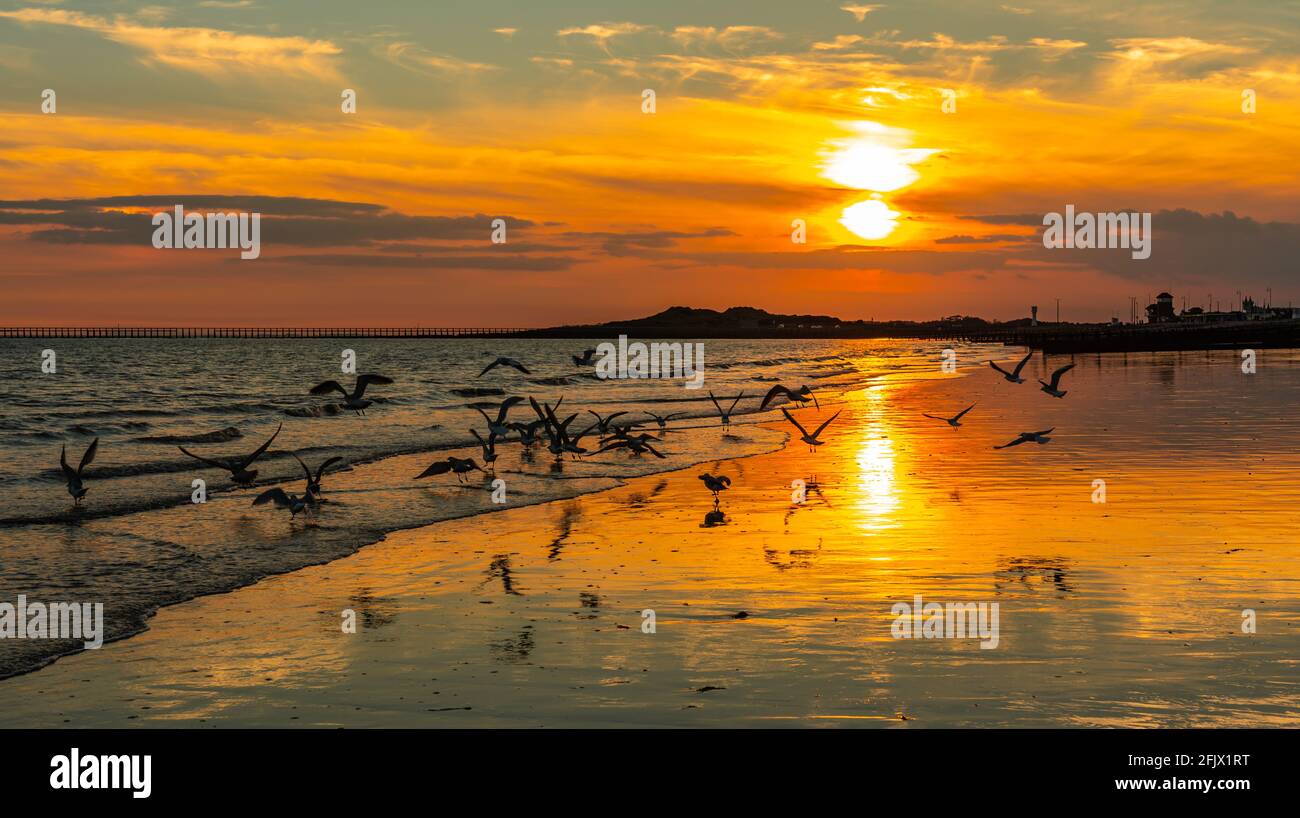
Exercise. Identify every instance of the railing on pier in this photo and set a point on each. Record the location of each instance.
(259, 332)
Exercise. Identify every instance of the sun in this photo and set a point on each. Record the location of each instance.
(870, 219)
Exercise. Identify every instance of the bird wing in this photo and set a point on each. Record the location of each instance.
(479, 438)
(1000, 369)
(248, 461)
(320, 472)
(790, 418)
(620, 444)
(715, 402)
(276, 495)
(772, 393)
(806, 390)
(88, 456)
(486, 419)
(724, 479)
(512, 362)
(1015, 442)
(68, 473)
(216, 464)
(610, 419)
(1022, 363)
(964, 411)
(538, 409)
(1056, 376)
(673, 415)
(654, 451)
(1044, 432)
(305, 470)
(827, 423)
(932, 417)
(736, 401)
(441, 467)
(504, 409)
(366, 380)
(325, 387)
(489, 367)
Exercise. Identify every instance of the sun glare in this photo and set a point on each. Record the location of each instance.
(870, 219)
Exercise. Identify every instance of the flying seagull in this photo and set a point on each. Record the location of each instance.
(1028, 437)
(636, 445)
(810, 439)
(602, 424)
(511, 362)
(312, 494)
(238, 468)
(800, 396)
(1053, 387)
(352, 401)
(75, 486)
(585, 360)
(726, 416)
(500, 428)
(1014, 376)
(489, 447)
(460, 466)
(663, 421)
(953, 421)
(283, 499)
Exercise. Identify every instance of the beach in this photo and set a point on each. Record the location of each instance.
(1127, 612)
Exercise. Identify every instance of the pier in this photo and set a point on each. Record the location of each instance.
(1065, 338)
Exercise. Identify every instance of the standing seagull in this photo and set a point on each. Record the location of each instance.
(1028, 437)
(1014, 377)
(489, 447)
(726, 416)
(312, 494)
(75, 487)
(800, 396)
(716, 483)
(511, 362)
(460, 466)
(352, 401)
(810, 439)
(1052, 388)
(953, 421)
(239, 471)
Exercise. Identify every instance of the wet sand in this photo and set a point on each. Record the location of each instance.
(1122, 613)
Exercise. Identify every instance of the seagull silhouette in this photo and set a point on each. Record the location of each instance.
(73, 476)
(489, 447)
(585, 360)
(352, 401)
(726, 416)
(511, 362)
(810, 439)
(312, 494)
(800, 396)
(1028, 437)
(636, 445)
(1014, 376)
(238, 468)
(500, 428)
(602, 424)
(715, 483)
(460, 466)
(1053, 388)
(953, 421)
(663, 420)
(283, 499)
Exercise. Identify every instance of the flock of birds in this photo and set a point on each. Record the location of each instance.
(1053, 388)
(547, 428)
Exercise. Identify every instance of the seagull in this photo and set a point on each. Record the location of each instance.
(312, 493)
(810, 439)
(1014, 377)
(663, 421)
(636, 445)
(1052, 388)
(716, 484)
(585, 360)
(75, 487)
(459, 466)
(500, 428)
(239, 471)
(528, 432)
(353, 401)
(283, 499)
(800, 396)
(489, 447)
(953, 421)
(602, 424)
(511, 362)
(1028, 437)
(726, 416)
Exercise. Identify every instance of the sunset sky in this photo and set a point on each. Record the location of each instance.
(766, 112)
